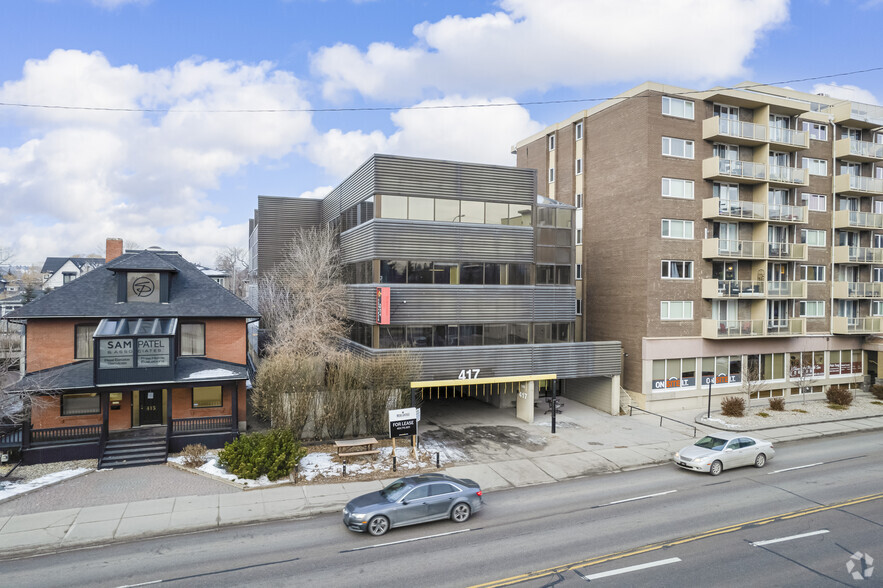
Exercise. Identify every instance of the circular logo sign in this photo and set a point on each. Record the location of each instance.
(143, 287)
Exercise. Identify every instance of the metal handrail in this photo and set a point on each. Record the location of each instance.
(631, 407)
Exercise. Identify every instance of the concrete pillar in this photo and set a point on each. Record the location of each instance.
(524, 401)
(614, 395)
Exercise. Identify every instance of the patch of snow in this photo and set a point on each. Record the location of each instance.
(9, 489)
(213, 468)
(215, 373)
(720, 422)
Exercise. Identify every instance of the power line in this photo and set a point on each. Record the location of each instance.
(417, 107)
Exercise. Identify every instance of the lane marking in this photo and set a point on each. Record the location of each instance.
(679, 541)
(405, 541)
(812, 465)
(652, 564)
(142, 584)
(789, 538)
(642, 497)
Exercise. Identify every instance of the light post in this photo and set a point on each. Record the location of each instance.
(710, 381)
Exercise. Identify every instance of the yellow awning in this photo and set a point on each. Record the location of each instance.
(500, 380)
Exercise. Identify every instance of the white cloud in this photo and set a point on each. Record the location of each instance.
(114, 4)
(845, 92)
(85, 175)
(319, 192)
(538, 44)
(483, 134)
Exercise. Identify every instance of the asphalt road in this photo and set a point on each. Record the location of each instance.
(797, 522)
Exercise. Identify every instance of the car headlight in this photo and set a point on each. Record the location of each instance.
(677, 456)
(356, 515)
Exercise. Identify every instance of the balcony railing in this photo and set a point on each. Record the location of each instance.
(848, 254)
(731, 169)
(712, 248)
(857, 114)
(785, 213)
(789, 251)
(851, 184)
(786, 289)
(201, 424)
(851, 219)
(789, 138)
(858, 289)
(795, 176)
(858, 150)
(65, 434)
(721, 329)
(712, 288)
(849, 325)
(745, 133)
(739, 209)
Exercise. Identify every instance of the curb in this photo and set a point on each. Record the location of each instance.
(741, 429)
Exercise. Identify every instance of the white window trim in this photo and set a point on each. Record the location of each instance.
(686, 142)
(578, 307)
(807, 164)
(551, 175)
(675, 220)
(804, 273)
(578, 237)
(671, 261)
(578, 131)
(665, 305)
(671, 100)
(579, 201)
(819, 304)
(551, 143)
(809, 197)
(804, 234)
(578, 165)
(690, 183)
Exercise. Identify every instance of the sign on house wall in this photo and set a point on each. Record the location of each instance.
(119, 353)
(142, 287)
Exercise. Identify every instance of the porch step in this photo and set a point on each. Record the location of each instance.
(129, 452)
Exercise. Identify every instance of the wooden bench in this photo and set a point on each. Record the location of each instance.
(355, 444)
(352, 453)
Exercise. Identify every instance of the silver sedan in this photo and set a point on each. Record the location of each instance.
(723, 451)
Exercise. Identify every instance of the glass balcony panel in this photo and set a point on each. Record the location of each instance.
(789, 137)
(788, 175)
(787, 213)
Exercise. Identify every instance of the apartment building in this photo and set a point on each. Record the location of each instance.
(465, 265)
(732, 239)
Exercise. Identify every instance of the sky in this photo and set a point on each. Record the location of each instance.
(149, 138)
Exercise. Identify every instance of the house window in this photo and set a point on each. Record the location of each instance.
(579, 200)
(815, 202)
(193, 339)
(812, 308)
(813, 237)
(677, 229)
(83, 347)
(816, 167)
(579, 307)
(551, 174)
(208, 397)
(579, 166)
(677, 107)
(672, 188)
(676, 310)
(578, 131)
(818, 132)
(579, 271)
(677, 270)
(812, 273)
(551, 142)
(68, 277)
(677, 147)
(79, 404)
(578, 235)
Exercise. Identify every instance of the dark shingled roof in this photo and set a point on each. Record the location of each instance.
(53, 264)
(191, 294)
(78, 376)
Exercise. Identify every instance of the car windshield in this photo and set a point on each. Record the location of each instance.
(713, 443)
(395, 490)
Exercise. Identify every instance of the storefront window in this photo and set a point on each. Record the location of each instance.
(80, 404)
(208, 397)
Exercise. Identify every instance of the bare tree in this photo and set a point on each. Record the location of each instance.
(751, 379)
(234, 261)
(6, 254)
(802, 374)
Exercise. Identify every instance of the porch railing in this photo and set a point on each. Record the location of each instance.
(63, 434)
(10, 436)
(200, 424)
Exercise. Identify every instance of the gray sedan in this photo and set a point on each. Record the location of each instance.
(715, 453)
(415, 499)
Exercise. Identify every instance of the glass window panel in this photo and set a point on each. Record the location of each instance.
(562, 274)
(78, 404)
(421, 208)
(519, 334)
(471, 211)
(519, 214)
(419, 336)
(708, 367)
(688, 368)
(447, 210)
(192, 339)
(518, 274)
(393, 272)
(441, 272)
(394, 206)
(420, 272)
(563, 255)
(722, 366)
(545, 216)
(546, 236)
(564, 218)
(542, 333)
(472, 273)
(84, 341)
(391, 337)
(496, 334)
(492, 274)
(658, 369)
(470, 335)
(208, 397)
(545, 274)
(497, 213)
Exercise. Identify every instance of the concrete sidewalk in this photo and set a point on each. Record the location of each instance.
(583, 445)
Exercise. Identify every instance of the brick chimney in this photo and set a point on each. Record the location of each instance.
(113, 249)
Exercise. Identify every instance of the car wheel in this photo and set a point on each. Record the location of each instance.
(760, 460)
(460, 513)
(378, 525)
(716, 468)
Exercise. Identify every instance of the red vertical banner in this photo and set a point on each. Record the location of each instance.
(383, 305)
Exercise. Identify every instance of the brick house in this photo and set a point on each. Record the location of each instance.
(139, 357)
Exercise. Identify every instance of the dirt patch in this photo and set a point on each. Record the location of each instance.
(476, 437)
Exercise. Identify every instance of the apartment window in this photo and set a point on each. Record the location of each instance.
(79, 404)
(817, 131)
(83, 347)
(677, 107)
(579, 307)
(677, 147)
(812, 308)
(193, 339)
(812, 273)
(208, 397)
(673, 188)
(579, 200)
(816, 167)
(579, 166)
(578, 235)
(676, 310)
(578, 131)
(674, 373)
(813, 237)
(551, 174)
(677, 229)
(677, 269)
(551, 142)
(876, 307)
(579, 271)
(815, 202)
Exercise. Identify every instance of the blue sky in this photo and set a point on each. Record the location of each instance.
(186, 177)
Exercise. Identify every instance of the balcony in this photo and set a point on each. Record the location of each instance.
(715, 208)
(785, 213)
(727, 249)
(733, 131)
(750, 289)
(731, 170)
(850, 325)
(856, 114)
(786, 289)
(850, 185)
(788, 139)
(788, 176)
(851, 219)
(854, 290)
(786, 251)
(858, 150)
(849, 254)
(741, 329)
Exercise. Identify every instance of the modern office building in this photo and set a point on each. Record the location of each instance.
(731, 236)
(465, 265)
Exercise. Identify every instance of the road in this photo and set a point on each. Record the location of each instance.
(797, 522)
